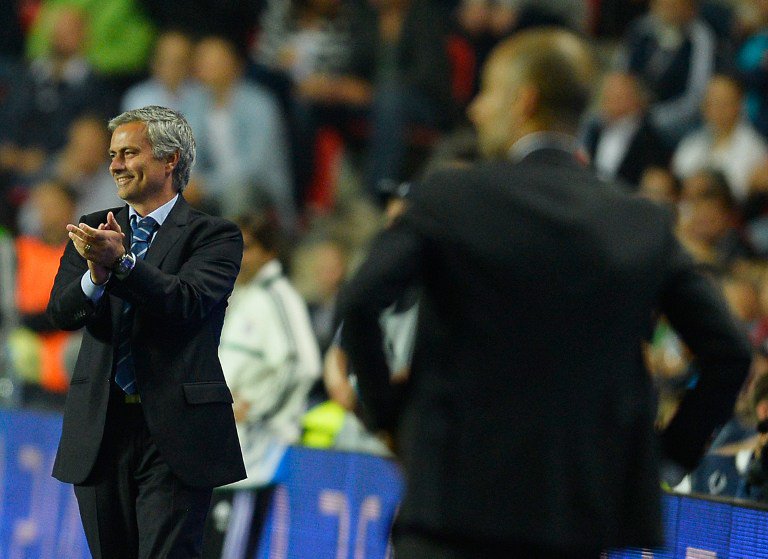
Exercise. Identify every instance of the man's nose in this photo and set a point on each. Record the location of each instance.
(116, 164)
(473, 109)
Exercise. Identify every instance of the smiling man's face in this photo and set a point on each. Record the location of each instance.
(141, 179)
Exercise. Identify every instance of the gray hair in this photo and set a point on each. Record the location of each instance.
(168, 132)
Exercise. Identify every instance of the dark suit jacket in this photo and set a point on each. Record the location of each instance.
(646, 149)
(179, 293)
(529, 413)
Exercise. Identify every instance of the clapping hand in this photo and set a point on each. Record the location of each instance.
(101, 246)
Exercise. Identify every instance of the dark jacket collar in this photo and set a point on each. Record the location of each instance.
(167, 234)
(540, 141)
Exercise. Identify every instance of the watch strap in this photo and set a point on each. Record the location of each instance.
(124, 265)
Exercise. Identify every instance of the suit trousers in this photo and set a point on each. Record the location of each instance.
(132, 506)
(421, 545)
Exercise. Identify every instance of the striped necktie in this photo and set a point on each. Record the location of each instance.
(125, 375)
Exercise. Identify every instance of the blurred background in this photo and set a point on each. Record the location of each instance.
(314, 114)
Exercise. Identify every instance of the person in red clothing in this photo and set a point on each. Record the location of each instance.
(39, 349)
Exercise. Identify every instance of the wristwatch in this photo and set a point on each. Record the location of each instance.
(124, 265)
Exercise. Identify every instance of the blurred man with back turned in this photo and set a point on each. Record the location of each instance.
(148, 426)
(526, 426)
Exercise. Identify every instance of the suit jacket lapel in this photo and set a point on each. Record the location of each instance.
(168, 233)
(116, 302)
(165, 238)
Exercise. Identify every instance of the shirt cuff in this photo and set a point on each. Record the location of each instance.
(91, 290)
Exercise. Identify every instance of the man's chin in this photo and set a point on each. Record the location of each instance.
(123, 193)
(489, 148)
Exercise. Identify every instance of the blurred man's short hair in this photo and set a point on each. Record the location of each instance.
(263, 228)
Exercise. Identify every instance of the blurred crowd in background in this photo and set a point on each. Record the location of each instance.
(310, 118)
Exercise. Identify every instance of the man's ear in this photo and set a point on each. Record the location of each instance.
(528, 99)
(171, 161)
(761, 410)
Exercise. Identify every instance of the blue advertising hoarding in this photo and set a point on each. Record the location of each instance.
(38, 514)
(707, 529)
(328, 505)
(332, 504)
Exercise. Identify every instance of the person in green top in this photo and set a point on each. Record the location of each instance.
(112, 53)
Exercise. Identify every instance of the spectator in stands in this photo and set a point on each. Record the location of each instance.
(659, 184)
(304, 52)
(232, 19)
(119, 38)
(11, 48)
(709, 219)
(503, 17)
(752, 63)
(38, 102)
(485, 22)
(273, 28)
(171, 70)
(335, 423)
(243, 158)
(741, 291)
(8, 316)
(55, 89)
(620, 140)
(270, 360)
(611, 18)
(396, 75)
(400, 56)
(669, 360)
(755, 210)
(51, 92)
(329, 262)
(305, 38)
(759, 334)
(755, 483)
(82, 164)
(38, 346)
(725, 141)
(722, 469)
(672, 50)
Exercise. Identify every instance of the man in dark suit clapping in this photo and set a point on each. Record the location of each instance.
(621, 141)
(526, 428)
(148, 426)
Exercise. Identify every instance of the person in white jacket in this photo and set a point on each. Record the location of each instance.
(726, 141)
(271, 360)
